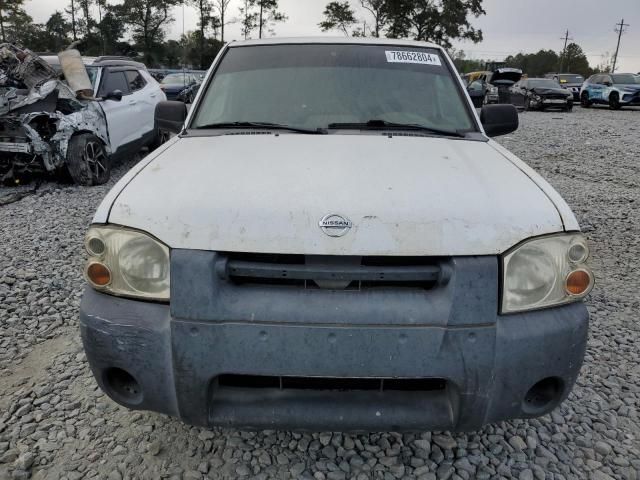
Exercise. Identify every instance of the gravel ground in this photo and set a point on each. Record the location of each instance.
(56, 424)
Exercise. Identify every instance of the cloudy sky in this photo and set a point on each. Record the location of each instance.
(509, 27)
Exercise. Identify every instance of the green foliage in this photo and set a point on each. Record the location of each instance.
(573, 60)
(13, 18)
(195, 51)
(535, 64)
(248, 19)
(147, 20)
(261, 15)
(464, 64)
(438, 21)
(338, 16)
(547, 61)
(379, 11)
(207, 20)
(222, 6)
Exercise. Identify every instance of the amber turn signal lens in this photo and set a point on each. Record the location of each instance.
(99, 274)
(578, 282)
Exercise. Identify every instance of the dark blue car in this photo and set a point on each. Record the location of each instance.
(174, 83)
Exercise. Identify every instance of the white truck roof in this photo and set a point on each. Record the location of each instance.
(330, 40)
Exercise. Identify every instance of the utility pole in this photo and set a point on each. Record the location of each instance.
(619, 31)
(564, 50)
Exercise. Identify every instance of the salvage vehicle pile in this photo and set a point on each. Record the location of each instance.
(45, 126)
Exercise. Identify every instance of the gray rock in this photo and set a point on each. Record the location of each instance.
(517, 443)
(445, 442)
(602, 448)
(526, 474)
(24, 461)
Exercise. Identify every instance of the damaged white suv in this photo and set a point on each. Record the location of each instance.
(45, 126)
(332, 241)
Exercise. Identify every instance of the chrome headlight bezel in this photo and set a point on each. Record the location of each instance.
(527, 284)
(137, 262)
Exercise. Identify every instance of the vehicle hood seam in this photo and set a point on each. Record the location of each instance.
(564, 228)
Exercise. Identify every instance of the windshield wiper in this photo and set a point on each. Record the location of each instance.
(264, 125)
(383, 124)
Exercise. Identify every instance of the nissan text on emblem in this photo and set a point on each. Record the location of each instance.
(335, 225)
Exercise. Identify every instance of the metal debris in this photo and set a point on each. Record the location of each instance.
(39, 114)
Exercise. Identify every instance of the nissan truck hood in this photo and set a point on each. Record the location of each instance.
(268, 193)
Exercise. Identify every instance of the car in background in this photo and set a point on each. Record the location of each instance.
(569, 81)
(540, 94)
(158, 73)
(503, 79)
(188, 95)
(614, 89)
(479, 88)
(175, 83)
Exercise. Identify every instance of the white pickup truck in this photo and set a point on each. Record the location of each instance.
(333, 241)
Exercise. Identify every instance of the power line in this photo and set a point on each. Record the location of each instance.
(564, 50)
(619, 31)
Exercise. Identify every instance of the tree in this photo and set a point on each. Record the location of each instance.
(147, 20)
(71, 11)
(88, 23)
(260, 14)
(438, 21)
(535, 64)
(575, 61)
(222, 7)
(379, 10)
(112, 29)
(193, 52)
(249, 19)
(57, 30)
(204, 9)
(464, 64)
(338, 16)
(11, 11)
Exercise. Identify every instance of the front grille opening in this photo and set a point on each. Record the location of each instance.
(332, 272)
(331, 383)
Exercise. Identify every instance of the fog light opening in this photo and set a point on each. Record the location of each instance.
(123, 387)
(543, 396)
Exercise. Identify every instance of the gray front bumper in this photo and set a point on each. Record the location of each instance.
(489, 363)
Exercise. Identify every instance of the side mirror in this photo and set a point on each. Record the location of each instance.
(116, 96)
(499, 119)
(170, 116)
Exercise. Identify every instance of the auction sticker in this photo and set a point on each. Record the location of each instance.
(413, 57)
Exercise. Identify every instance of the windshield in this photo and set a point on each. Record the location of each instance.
(314, 86)
(625, 79)
(182, 78)
(542, 83)
(570, 79)
(93, 74)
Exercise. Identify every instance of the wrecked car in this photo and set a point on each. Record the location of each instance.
(333, 241)
(541, 94)
(48, 126)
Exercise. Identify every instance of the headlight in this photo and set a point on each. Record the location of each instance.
(493, 90)
(545, 272)
(537, 98)
(127, 263)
